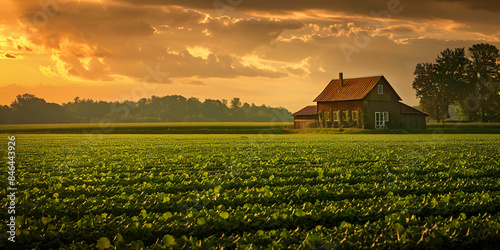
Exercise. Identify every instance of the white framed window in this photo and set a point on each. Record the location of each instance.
(354, 115)
(336, 116)
(386, 116)
(380, 89)
(327, 116)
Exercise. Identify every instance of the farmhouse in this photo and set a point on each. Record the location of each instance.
(366, 102)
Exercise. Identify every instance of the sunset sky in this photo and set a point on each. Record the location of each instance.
(278, 53)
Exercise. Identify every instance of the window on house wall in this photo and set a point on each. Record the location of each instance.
(386, 116)
(380, 89)
(344, 116)
(354, 115)
(326, 116)
(336, 116)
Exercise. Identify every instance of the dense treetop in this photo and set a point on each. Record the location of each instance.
(470, 81)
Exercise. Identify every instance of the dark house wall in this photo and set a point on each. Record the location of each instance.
(370, 107)
(397, 119)
(356, 105)
(414, 121)
(303, 121)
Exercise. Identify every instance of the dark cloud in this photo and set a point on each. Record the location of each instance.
(7, 55)
(266, 5)
(296, 71)
(244, 35)
(481, 16)
(300, 5)
(488, 5)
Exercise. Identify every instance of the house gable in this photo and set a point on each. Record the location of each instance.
(388, 93)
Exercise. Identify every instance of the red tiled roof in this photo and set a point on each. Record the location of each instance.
(352, 89)
(405, 109)
(309, 110)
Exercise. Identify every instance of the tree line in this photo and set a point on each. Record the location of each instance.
(470, 81)
(29, 109)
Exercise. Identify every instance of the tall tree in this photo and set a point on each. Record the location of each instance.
(484, 87)
(235, 103)
(5, 114)
(443, 83)
(484, 59)
(452, 67)
(428, 89)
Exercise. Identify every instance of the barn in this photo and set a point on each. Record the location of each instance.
(365, 102)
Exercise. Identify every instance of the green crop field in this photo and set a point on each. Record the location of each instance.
(151, 128)
(298, 191)
(233, 128)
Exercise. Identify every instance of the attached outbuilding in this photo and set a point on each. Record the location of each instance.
(304, 117)
(365, 102)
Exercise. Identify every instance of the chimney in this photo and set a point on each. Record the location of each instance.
(341, 78)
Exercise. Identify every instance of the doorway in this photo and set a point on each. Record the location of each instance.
(380, 119)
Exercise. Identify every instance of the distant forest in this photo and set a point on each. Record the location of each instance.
(29, 109)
